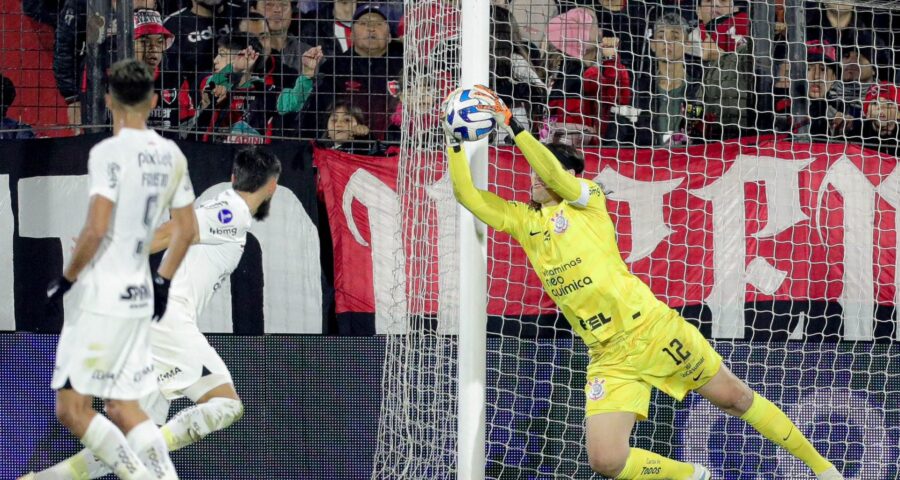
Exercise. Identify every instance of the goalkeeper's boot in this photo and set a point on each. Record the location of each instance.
(700, 472)
(830, 474)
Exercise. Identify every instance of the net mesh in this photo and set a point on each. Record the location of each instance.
(749, 148)
(417, 428)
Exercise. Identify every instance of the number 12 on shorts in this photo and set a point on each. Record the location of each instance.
(676, 351)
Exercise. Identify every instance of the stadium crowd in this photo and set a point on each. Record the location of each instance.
(599, 72)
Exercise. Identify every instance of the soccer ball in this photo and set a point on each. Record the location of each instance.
(463, 119)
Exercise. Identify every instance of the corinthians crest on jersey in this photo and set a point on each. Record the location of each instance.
(560, 223)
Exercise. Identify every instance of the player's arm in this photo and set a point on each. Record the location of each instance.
(99, 214)
(163, 236)
(538, 156)
(182, 230)
(486, 206)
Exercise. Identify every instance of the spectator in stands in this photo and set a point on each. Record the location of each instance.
(196, 30)
(366, 74)
(330, 26)
(293, 100)
(286, 46)
(278, 75)
(174, 105)
(882, 112)
(626, 21)
(346, 130)
(727, 72)
(69, 52)
(10, 129)
(418, 107)
(673, 90)
(859, 73)
(236, 106)
(822, 72)
(583, 87)
(513, 76)
(840, 24)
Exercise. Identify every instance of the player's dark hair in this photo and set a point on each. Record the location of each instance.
(253, 167)
(568, 156)
(130, 82)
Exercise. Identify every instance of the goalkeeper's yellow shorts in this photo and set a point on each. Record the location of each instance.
(665, 352)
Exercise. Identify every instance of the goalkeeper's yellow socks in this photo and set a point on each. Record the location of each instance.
(773, 424)
(644, 465)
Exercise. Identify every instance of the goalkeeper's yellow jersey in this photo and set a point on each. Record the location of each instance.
(572, 246)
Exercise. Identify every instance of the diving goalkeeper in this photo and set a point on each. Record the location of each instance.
(636, 342)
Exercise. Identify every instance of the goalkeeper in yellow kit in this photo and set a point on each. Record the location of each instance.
(636, 342)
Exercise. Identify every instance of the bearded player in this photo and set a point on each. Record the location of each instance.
(635, 341)
(185, 363)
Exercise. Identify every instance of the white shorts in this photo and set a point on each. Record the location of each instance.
(105, 357)
(186, 364)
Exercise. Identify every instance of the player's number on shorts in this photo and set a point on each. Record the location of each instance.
(679, 355)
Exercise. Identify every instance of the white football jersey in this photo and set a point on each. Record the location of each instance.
(223, 223)
(144, 175)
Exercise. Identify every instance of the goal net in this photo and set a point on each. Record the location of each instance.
(750, 148)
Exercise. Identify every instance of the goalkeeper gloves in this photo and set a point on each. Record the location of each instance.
(160, 296)
(501, 113)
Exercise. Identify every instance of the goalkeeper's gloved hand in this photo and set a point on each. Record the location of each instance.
(501, 113)
(160, 296)
(55, 292)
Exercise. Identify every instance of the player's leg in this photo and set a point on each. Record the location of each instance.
(615, 397)
(610, 455)
(97, 434)
(143, 436)
(735, 398)
(216, 408)
(192, 368)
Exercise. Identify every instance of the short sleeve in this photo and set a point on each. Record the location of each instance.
(184, 191)
(104, 172)
(219, 222)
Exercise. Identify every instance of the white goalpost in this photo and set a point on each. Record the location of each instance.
(755, 188)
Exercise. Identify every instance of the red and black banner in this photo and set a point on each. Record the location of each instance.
(775, 240)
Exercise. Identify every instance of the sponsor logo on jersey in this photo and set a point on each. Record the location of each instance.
(165, 376)
(560, 223)
(224, 231)
(225, 216)
(596, 389)
(573, 286)
(136, 293)
(138, 376)
(562, 268)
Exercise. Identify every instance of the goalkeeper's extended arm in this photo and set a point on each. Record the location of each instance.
(541, 160)
(486, 206)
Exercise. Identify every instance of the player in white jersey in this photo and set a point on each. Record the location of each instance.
(185, 363)
(104, 347)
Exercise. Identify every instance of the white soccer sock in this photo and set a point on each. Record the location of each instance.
(109, 445)
(193, 423)
(82, 465)
(150, 446)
